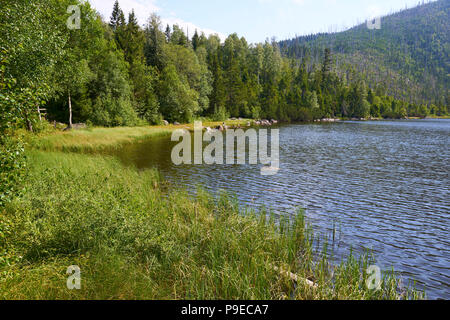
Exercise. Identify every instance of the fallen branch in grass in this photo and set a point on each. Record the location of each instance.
(295, 277)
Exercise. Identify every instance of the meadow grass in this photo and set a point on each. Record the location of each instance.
(93, 139)
(98, 138)
(134, 239)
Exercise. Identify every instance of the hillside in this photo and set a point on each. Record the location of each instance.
(406, 58)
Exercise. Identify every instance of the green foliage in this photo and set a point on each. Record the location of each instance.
(11, 148)
(155, 43)
(178, 101)
(27, 54)
(12, 164)
(407, 58)
(120, 74)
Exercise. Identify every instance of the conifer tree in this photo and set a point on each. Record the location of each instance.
(168, 33)
(133, 40)
(115, 16)
(155, 43)
(195, 41)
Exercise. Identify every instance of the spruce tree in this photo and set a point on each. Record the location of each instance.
(327, 61)
(115, 16)
(195, 41)
(133, 40)
(168, 33)
(154, 47)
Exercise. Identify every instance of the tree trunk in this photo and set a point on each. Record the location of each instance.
(70, 112)
(28, 122)
(29, 125)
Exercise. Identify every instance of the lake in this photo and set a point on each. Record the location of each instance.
(381, 185)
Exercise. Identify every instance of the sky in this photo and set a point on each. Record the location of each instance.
(257, 20)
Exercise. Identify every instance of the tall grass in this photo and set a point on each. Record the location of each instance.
(98, 138)
(93, 139)
(134, 241)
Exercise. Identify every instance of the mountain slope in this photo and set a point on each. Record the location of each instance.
(407, 58)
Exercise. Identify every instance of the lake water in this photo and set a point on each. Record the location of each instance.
(382, 185)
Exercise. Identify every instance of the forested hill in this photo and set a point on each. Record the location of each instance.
(407, 58)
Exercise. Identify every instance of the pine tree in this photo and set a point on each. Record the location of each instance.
(178, 37)
(118, 25)
(327, 61)
(168, 33)
(217, 98)
(115, 16)
(133, 40)
(155, 43)
(195, 41)
(122, 21)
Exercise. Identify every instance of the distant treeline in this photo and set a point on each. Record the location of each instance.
(116, 73)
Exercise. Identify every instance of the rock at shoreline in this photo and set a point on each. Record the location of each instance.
(329, 120)
(264, 122)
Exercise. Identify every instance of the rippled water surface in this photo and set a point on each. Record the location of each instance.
(382, 185)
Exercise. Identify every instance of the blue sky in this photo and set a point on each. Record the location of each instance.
(257, 20)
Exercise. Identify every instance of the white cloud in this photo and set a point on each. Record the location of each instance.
(297, 2)
(374, 11)
(191, 27)
(143, 9)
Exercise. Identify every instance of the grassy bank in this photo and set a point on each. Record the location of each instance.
(438, 117)
(134, 241)
(96, 139)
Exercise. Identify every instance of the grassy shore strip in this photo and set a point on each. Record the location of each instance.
(132, 241)
(438, 117)
(94, 139)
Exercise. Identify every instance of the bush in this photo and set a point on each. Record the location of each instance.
(220, 114)
(112, 112)
(12, 167)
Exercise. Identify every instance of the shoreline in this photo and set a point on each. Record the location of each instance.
(98, 138)
(84, 209)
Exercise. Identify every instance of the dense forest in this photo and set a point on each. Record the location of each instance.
(117, 73)
(407, 58)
